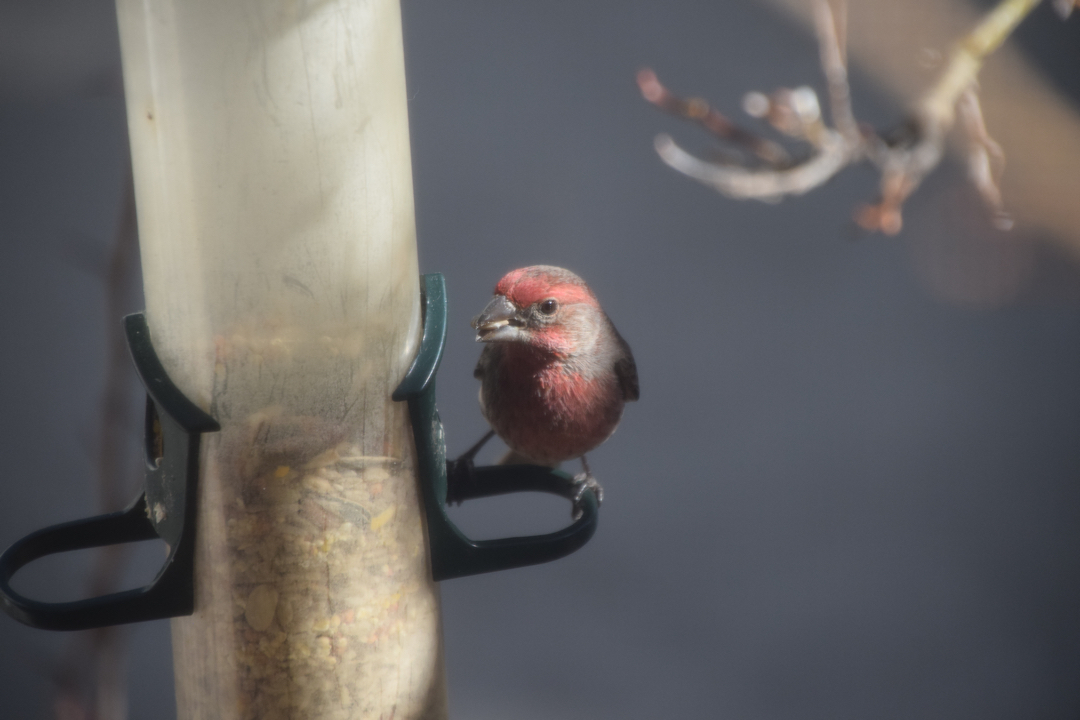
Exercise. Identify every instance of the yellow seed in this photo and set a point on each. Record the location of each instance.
(281, 471)
(382, 518)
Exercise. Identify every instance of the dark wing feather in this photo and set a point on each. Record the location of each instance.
(626, 370)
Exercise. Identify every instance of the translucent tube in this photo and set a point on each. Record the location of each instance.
(272, 171)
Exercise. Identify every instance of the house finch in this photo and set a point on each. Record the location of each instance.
(554, 372)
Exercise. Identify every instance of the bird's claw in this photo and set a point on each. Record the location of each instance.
(582, 482)
(460, 474)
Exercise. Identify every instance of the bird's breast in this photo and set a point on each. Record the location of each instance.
(548, 409)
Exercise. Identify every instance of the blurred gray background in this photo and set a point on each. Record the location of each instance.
(851, 488)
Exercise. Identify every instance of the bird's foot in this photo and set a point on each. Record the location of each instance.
(460, 476)
(582, 482)
(461, 473)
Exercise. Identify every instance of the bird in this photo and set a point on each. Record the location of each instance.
(554, 373)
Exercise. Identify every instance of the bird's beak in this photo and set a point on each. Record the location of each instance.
(499, 321)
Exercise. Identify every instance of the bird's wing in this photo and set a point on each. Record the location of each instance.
(626, 371)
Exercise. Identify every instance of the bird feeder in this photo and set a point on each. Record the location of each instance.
(274, 193)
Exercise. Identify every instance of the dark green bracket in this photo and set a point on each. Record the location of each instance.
(166, 509)
(452, 553)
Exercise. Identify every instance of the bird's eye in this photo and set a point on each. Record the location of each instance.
(549, 306)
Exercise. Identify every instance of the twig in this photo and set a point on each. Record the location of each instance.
(986, 159)
(712, 120)
(768, 185)
(903, 161)
(961, 73)
(832, 39)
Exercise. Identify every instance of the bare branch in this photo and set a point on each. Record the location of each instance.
(903, 162)
(939, 104)
(986, 159)
(767, 185)
(712, 120)
(831, 34)
(796, 113)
